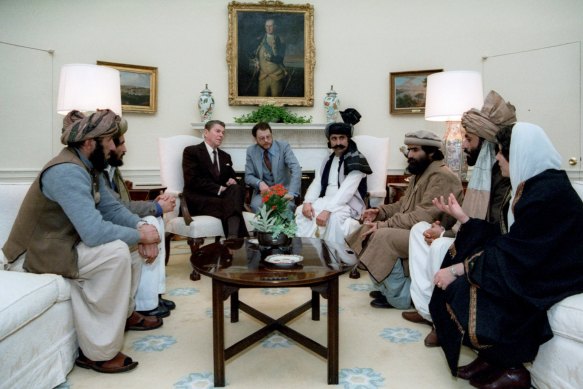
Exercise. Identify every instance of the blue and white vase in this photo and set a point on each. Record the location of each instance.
(331, 105)
(206, 104)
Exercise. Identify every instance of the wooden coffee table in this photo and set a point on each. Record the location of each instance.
(235, 264)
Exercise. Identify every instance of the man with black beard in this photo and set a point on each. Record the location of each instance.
(70, 224)
(335, 197)
(382, 242)
(152, 284)
(487, 189)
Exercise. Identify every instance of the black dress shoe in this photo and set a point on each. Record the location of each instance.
(380, 302)
(167, 303)
(159, 311)
(375, 294)
(509, 378)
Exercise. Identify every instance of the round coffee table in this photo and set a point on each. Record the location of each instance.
(242, 263)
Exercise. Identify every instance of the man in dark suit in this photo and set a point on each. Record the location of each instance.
(210, 187)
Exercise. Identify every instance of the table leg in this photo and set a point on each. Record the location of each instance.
(333, 331)
(218, 334)
(234, 307)
(315, 305)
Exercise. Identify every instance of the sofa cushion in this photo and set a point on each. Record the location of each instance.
(566, 318)
(25, 296)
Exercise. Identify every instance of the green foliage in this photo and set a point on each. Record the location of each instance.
(271, 113)
(274, 216)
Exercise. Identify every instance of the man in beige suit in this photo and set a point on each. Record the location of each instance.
(382, 242)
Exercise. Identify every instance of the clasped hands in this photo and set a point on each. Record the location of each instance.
(230, 181)
(148, 244)
(167, 202)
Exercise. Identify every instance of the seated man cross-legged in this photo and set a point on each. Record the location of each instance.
(210, 185)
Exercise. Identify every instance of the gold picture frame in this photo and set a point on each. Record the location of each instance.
(138, 86)
(408, 91)
(276, 69)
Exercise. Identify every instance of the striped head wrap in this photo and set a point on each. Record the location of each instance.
(77, 127)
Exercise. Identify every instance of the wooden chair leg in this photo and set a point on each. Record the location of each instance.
(194, 244)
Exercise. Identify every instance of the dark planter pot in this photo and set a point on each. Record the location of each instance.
(267, 239)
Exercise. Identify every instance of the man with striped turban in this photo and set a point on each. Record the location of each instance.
(486, 191)
(70, 224)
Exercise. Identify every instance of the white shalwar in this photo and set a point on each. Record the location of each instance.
(424, 261)
(343, 219)
(153, 275)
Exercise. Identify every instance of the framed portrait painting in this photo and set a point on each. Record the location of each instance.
(138, 86)
(271, 54)
(408, 91)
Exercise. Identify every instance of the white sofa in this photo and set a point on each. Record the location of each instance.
(38, 343)
(559, 363)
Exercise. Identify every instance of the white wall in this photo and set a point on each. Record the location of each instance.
(358, 43)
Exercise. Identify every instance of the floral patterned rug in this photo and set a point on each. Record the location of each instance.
(378, 349)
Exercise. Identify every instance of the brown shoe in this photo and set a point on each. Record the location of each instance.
(139, 322)
(478, 366)
(415, 317)
(431, 340)
(510, 378)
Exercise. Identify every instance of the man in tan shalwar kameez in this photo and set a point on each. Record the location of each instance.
(383, 238)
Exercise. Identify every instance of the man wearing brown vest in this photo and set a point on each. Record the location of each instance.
(70, 224)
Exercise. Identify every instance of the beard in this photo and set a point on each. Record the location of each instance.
(472, 154)
(114, 160)
(417, 167)
(97, 158)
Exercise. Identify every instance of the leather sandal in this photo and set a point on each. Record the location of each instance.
(138, 322)
(118, 364)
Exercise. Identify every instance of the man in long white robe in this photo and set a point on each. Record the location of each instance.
(334, 203)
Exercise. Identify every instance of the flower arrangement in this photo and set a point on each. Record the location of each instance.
(275, 217)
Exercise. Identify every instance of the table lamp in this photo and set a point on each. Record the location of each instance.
(88, 88)
(449, 95)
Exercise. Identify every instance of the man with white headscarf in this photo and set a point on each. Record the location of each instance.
(494, 292)
(70, 224)
(485, 194)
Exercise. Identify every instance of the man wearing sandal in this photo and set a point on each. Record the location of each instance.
(70, 224)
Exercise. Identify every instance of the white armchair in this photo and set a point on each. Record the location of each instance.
(376, 151)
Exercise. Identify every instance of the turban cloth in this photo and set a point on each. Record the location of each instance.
(495, 114)
(78, 127)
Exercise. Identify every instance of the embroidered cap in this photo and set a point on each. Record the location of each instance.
(423, 138)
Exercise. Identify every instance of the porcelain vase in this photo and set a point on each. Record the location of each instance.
(206, 104)
(331, 105)
(455, 158)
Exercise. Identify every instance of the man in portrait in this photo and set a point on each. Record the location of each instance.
(270, 55)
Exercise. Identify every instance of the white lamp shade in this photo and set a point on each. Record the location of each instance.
(88, 88)
(450, 94)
